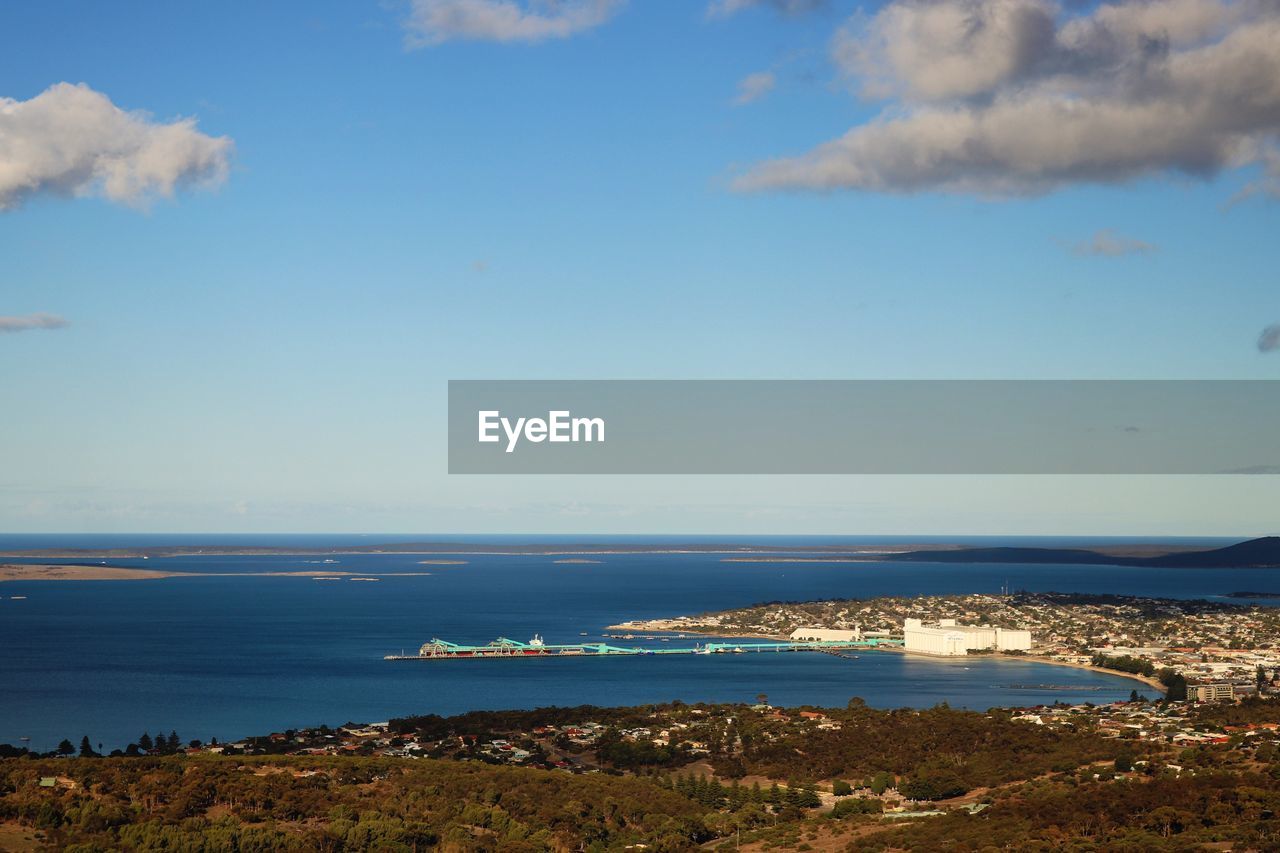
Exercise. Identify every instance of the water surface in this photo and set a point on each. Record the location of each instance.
(233, 656)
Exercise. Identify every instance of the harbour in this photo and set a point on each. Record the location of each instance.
(504, 648)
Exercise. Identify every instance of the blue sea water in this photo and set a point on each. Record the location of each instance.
(229, 656)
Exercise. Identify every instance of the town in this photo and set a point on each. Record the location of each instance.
(1210, 650)
(708, 738)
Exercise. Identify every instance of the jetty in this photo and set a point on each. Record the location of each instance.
(504, 648)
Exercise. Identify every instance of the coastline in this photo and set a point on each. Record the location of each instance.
(1147, 680)
(651, 626)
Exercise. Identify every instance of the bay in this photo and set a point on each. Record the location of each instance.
(235, 655)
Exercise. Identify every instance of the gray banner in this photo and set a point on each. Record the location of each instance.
(864, 427)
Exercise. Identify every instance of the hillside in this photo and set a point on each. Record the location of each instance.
(1252, 554)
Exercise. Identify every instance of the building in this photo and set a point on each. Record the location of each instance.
(977, 636)
(1212, 692)
(826, 635)
(933, 640)
(1012, 640)
(951, 640)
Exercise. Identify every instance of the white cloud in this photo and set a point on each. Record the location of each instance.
(1112, 245)
(945, 49)
(433, 22)
(1011, 97)
(31, 321)
(725, 8)
(755, 86)
(72, 141)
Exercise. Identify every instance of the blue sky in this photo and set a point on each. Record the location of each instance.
(270, 352)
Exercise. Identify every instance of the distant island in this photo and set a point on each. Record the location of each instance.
(1262, 553)
(70, 572)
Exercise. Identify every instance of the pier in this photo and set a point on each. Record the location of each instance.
(505, 648)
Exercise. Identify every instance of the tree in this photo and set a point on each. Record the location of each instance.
(1124, 763)
(1175, 685)
(858, 806)
(86, 749)
(144, 743)
(175, 743)
(841, 788)
(762, 698)
(1166, 820)
(65, 748)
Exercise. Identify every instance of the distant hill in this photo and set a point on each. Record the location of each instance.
(1263, 553)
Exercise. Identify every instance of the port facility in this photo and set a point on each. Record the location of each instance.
(505, 648)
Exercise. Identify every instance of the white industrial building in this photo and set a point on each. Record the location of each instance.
(948, 639)
(1013, 640)
(827, 635)
(933, 640)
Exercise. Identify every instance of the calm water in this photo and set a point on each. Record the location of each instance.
(232, 656)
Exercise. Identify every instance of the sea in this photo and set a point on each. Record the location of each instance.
(227, 654)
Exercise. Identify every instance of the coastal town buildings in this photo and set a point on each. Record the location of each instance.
(1230, 649)
(1213, 692)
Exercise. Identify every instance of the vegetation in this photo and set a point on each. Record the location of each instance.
(1000, 783)
(334, 804)
(1167, 812)
(939, 752)
(1125, 663)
